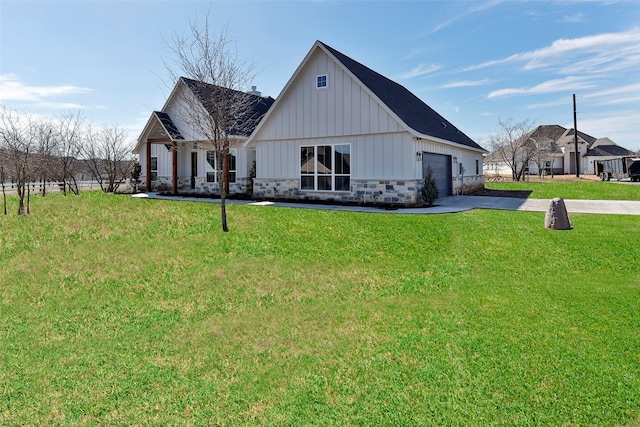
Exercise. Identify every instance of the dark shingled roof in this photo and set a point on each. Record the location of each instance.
(608, 151)
(167, 124)
(544, 133)
(408, 107)
(588, 138)
(245, 120)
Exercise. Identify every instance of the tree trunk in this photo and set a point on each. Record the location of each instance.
(28, 199)
(223, 212)
(224, 185)
(226, 171)
(4, 194)
(20, 198)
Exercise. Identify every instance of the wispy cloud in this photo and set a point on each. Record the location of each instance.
(421, 70)
(603, 48)
(59, 105)
(620, 126)
(478, 7)
(466, 83)
(12, 89)
(550, 86)
(578, 17)
(627, 94)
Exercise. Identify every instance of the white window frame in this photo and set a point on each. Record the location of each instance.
(326, 81)
(213, 169)
(154, 172)
(332, 175)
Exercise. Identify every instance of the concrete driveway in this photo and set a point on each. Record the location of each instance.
(449, 204)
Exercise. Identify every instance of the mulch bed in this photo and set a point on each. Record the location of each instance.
(520, 194)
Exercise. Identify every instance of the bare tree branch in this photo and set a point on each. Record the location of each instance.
(512, 145)
(217, 109)
(105, 152)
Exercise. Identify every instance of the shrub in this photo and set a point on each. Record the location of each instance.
(429, 188)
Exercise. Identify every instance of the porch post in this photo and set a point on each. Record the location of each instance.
(174, 167)
(148, 165)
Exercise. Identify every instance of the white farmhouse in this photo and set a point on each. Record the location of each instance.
(175, 157)
(338, 132)
(341, 132)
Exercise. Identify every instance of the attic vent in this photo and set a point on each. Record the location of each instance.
(444, 125)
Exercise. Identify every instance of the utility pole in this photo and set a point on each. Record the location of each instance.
(575, 136)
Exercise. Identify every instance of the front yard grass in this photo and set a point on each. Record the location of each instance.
(116, 310)
(581, 190)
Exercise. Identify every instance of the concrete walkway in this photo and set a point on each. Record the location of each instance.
(449, 204)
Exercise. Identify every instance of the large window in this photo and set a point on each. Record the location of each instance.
(154, 169)
(325, 167)
(212, 170)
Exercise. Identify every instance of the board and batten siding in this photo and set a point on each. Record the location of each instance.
(378, 156)
(343, 108)
(458, 155)
(342, 113)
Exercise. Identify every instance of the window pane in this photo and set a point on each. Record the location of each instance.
(154, 163)
(211, 159)
(211, 177)
(307, 160)
(232, 177)
(324, 159)
(306, 182)
(324, 182)
(343, 159)
(232, 162)
(342, 183)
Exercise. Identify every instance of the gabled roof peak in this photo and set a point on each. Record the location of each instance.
(416, 114)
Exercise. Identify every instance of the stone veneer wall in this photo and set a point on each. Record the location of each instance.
(163, 183)
(388, 192)
(471, 183)
(391, 192)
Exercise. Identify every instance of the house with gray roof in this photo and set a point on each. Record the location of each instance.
(342, 132)
(175, 157)
(338, 132)
(556, 153)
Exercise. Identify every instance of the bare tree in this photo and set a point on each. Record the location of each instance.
(17, 137)
(544, 154)
(217, 109)
(106, 153)
(513, 146)
(69, 133)
(46, 142)
(3, 177)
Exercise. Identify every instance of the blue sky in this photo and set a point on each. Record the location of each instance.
(473, 62)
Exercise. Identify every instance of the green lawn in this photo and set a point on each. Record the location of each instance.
(122, 311)
(582, 190)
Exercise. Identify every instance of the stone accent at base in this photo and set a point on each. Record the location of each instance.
(163, 183)
(471, 183)
(363, 192)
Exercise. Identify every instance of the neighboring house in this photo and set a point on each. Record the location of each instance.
(604, 154)
(341, 132)
(174, 157)
(556, 153)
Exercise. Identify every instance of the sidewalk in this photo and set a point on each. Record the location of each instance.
(449, 204)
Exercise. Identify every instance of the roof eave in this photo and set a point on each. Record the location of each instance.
(445, 141)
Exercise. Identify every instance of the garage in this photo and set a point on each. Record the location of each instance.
(441, 166)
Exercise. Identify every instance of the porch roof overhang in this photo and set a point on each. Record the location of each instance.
(159, 129)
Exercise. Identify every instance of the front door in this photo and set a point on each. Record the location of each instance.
(194, 169)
